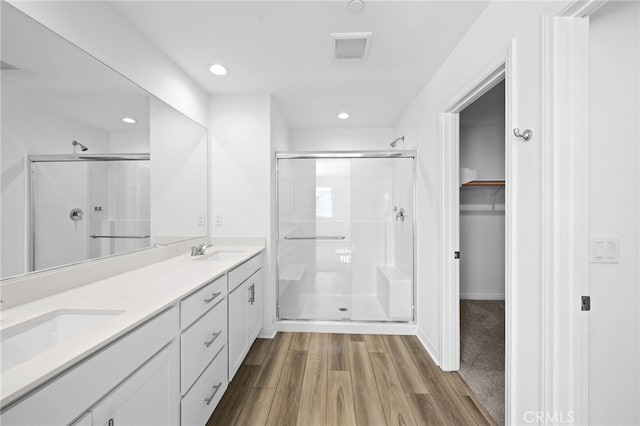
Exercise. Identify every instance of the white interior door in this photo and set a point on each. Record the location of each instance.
(614, 324)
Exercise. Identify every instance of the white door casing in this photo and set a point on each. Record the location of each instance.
(501, 68)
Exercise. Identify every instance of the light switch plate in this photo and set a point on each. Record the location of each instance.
(605, 249)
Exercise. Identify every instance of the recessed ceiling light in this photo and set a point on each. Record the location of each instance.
(343, 115)
(218, 69)
(129, 120)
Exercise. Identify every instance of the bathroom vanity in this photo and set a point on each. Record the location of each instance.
(155, 345)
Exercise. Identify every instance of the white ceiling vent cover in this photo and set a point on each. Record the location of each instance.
(351, 45)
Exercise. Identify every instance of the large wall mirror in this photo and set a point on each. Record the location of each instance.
(92, 165)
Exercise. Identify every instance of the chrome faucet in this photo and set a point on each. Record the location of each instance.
(199, 250)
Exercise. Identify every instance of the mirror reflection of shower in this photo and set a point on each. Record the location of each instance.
(76, 144)
(85, 207)
(395, 142)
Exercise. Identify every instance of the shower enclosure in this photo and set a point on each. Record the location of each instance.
(346, 236)
(82, 207)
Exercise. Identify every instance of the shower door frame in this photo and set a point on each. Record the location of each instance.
(30, 199)
(333, 155)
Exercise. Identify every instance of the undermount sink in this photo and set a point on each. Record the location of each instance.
(220, 255)
(23, 341)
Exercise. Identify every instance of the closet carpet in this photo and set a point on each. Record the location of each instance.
(482, 352)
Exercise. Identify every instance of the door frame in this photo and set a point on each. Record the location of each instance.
(499, 69)
(565, 211)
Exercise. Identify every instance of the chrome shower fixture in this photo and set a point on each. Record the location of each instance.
(76, 143)
(395, 142)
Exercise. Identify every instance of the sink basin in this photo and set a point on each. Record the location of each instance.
(220, 255)
(23, 341)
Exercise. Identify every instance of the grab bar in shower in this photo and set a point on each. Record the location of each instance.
(318, 237)
(121, 236)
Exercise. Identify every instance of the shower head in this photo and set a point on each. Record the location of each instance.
(76, 143)
(395, 142)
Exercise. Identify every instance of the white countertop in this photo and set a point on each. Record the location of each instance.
(140, 294)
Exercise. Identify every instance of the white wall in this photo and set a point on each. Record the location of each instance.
(487, 39)
(482, 135)
(179, 177)
(614, 108)
(129, 142)
(341, 139)
(101, 31)
(240, 140)
(482, 223)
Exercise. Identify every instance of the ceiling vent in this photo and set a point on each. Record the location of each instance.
(351, 45)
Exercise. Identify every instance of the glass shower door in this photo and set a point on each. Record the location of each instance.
(87, 209)
(345, 239)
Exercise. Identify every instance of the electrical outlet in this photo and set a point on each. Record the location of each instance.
(218, 220)
(201, 221)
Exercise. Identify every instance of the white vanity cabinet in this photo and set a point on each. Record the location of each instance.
(245, 310)
(82, 388)
(147, 397)
(173, 369)
(203, 344)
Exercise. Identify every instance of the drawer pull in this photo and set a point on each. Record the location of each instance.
(212, 297)
(252, 293)
(216, 388)
(213, 339)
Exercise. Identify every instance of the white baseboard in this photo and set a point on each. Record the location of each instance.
(429, 347)
(346, 327)
(482, 296)
(268, 333)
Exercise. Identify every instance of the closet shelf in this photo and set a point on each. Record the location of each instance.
(484, 183)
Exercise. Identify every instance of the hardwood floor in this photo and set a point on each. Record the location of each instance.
(339, 379)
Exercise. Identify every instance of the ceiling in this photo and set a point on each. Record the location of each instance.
(285, 48)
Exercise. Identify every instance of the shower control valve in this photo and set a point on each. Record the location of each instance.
(76, 214)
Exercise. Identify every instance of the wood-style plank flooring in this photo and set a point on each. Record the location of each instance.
(345, 379)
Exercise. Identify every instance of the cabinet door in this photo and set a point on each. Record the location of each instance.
(238, 327)
(150, 396)
(255, 306)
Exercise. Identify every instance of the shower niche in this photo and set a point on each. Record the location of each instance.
(346, 236)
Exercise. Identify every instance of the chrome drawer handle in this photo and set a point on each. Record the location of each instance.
(212, 297)
(215, 336)
(252, 293)
(215, 391)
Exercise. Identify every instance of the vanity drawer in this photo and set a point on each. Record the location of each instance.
(202, 300)
(198, 404)
(200, 343)
(244, 271)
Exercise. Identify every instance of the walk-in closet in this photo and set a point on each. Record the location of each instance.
(482, 248)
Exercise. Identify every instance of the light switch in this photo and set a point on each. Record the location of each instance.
(604, 249)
